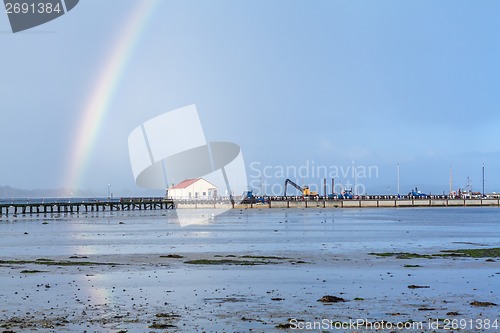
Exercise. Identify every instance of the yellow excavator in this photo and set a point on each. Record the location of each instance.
(306, 192)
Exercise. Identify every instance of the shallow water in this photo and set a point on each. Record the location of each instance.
(339, 231)
(334, 244)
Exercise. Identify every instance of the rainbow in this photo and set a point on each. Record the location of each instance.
(102, 94)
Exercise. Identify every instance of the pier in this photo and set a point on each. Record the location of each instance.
(83, 205)
(379, 203)
(328, 203)
(17, 207)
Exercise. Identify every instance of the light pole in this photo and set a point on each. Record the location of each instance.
(483, 180)
(398, 180)
(109, 191)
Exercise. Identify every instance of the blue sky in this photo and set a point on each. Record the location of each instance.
(292, 82)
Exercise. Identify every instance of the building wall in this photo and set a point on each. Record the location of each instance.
(200, 189)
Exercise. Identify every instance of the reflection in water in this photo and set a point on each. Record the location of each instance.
(201, 216)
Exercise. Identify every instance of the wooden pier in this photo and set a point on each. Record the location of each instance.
(80, 206)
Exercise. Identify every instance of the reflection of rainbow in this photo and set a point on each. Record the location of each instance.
(100, 97)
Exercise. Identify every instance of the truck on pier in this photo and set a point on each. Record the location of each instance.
(249, 198)
(417, 194)
(346, 194)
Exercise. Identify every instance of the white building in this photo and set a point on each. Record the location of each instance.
(191, 189)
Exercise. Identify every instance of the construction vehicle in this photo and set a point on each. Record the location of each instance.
(249, 198)
(306, 192)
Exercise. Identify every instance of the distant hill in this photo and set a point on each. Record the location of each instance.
(11, 192)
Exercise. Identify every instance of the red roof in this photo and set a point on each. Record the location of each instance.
(185, 183)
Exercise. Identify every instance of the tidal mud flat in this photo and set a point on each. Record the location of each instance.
(253, 271)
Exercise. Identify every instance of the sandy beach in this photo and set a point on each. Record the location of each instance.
(370, 270)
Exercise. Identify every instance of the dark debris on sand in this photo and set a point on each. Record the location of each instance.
(484, 304)
(331, 299)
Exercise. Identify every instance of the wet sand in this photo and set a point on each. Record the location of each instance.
(249, 271)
